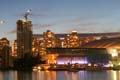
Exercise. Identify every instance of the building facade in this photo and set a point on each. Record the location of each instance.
(24, 37)
(50, 40)
(4, 53)
(78, 55)
(71, 41)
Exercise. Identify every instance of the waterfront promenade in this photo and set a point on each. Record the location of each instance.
(78, 67)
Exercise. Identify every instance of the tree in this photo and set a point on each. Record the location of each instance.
(27, 61)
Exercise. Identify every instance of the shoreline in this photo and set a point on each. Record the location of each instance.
(61, 68)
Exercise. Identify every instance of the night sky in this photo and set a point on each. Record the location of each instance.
(61, 16)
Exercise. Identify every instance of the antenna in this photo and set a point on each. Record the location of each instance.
(27, 14)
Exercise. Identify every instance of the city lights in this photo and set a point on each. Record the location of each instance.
(59, 40)
(39, 46)
(113, 52)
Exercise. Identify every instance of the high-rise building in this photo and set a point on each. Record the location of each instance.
(4, 53)
(49, 39)
(24, 37)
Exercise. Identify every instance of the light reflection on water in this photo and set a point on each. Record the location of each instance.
(115, 75)
(59, 75)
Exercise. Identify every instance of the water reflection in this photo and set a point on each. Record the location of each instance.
(24, 75)
(114, 75)
(59, 75)
(5, 75)
(82, 75)
(44, 75)
(74, 76)
(8, 75)
(71, 75)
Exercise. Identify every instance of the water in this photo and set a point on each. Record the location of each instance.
(59, 75)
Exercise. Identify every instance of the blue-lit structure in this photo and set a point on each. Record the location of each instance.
(80, 55)
(97, 55)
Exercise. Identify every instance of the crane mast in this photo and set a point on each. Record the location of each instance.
(27, 14)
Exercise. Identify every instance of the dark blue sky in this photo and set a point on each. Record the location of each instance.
(61, 16)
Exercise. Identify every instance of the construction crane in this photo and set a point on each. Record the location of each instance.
(27, 14)
(35, 26)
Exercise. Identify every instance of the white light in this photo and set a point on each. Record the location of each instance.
(39, 67)
(89, 64)
(119, 63)
(23, 20)
(113, 52)
(1, 21)
(74, 31)
(29, 11)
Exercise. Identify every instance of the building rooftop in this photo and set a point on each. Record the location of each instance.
(112, 34)
(104, 43)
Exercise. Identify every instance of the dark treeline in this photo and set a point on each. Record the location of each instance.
(27, 62)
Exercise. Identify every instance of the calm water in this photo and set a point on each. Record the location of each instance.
(59, 75)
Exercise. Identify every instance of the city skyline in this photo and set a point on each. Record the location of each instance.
(61, 16)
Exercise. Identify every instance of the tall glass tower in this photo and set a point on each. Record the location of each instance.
(24, 37)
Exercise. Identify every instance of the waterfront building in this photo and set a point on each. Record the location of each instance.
(66, 55)
(36, 46)
(72, 41)
(111, 44)
(82, 56)
(50, 40)
(4, 42)
(24, 37)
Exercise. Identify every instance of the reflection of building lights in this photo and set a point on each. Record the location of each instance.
(74, 76)
(114, 75)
